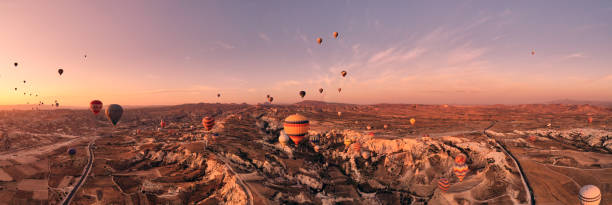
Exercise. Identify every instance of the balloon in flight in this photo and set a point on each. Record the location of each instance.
(16, 64)
(283, 139)
(443, 184)
(339, 114)
(589, 195)
(319, 40)
(347, 141)
(412, 121)
(335, 34)
(533, 52)
(339, 89)
(320, 90)
(343, 73)
(114, 113)
(208, 123)
(71, 151)
(95, 106)
(162, 124)
(270, 99)
(60, 71)
(590, 120)
(218, 95)
(296, 126)
(302, 93)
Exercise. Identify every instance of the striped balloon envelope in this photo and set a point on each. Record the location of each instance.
(443, 184)
(589, 195)
(460, 171)
(314, 139)
(208, 123)
(296, 126)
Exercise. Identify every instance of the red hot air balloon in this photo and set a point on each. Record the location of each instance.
(208, 123)
(590, 120)
(95, 106)
(339, 89)
(357, 147)
(162, 124)
(443, 184)
(460, 159)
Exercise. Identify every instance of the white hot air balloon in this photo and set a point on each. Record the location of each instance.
(589, 195)
(283, 139)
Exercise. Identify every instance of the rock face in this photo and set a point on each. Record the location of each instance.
(588, 139)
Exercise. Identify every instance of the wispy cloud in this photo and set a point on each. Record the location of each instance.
(225, 45)
(575, 55)
(264, 37)
(394, 55)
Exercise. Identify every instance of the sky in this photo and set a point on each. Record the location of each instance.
(426, 52)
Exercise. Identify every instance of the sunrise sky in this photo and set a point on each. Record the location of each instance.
(433, 52)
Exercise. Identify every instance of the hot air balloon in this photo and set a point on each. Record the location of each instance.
(460, 171)
(162, 124)
(218, 95)
(296, 126)
(590, 120)
(314, 139)
(208, 123)
(60, 71)
(412, 121)
(267, 96)
(368, 127)
(320, 90)
(137, 131)
(335, 34)
(343, 73)
(357, 147)
(339, 89)
(319, 40)
(283, 139)
(385, 126)
(270, 99)
(443, 184)
(24, 81)
(15, 63)
(347, 141)
(302, 94)
(15, 89)
(71, 151)
(56, 104)
(533, 52)
(95, 106)
(589, 195)
(339, 114)
(316, 148)
(460, 159)
(445, 106)
(114, 112)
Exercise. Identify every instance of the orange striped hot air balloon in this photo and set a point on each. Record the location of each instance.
(460, 171)
(443, 184)
(208, 123)
(296, 126)
(357, 147)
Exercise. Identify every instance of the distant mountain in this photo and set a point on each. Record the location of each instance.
(581, 102)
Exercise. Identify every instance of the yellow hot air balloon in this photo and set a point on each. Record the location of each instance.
(412, 121)
(347, 142)
(296, 126)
